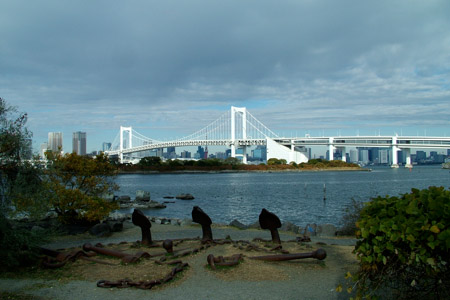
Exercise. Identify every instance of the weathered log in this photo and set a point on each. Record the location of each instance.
(319, 254)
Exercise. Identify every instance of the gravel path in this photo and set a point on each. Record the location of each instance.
(310, 281)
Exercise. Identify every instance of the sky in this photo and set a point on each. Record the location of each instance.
(169, 68)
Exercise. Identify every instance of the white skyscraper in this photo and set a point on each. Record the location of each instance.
(79, 143)
(55, 141)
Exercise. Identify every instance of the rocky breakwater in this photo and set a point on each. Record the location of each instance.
(323, 230)
(141, 201)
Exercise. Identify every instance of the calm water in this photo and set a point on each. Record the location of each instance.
(294, 197)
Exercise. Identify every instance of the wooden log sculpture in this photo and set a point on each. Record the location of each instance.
(223, 261)
(139, 219)
(319, 254)
(268, 220)
(199, 216)
(126, 258)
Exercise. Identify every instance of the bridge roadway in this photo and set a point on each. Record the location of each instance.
(396, 143)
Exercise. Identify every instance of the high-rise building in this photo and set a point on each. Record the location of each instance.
(79, 143)
(383, 155)
(200, 153)
(260, 153)
(353, 156)
(55, 141)
(421, 156)
(364, 156)
(185, 154)
(106, 146)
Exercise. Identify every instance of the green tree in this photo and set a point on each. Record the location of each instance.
(232, 161)
(150, 161)
(19, 179)
(276, 161)
(15, 146)
(76, 185)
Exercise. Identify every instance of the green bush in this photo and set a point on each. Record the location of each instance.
(19, 246)
(403, 250)
(351, 216)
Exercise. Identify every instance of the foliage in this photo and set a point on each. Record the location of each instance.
(231, 163)
(28, 193)
(19, 245)
(150, 161)
(404, 247)
(76, 185)
(276, 161)
(15, 146)
(351, 216)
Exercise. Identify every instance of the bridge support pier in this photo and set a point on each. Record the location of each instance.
(130, 145)
(242, 111)
(394, 150)
(331, 149)
(408, 163)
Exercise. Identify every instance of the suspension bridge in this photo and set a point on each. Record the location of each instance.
(239, 129)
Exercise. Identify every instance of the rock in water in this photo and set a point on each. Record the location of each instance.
(237, 224)
(142, 195)
(185, 197)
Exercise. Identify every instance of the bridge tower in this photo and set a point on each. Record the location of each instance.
(241, 111)
(130, 143)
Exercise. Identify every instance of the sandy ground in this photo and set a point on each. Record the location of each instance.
(297, 279)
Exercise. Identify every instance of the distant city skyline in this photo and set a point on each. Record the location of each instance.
(324, 68)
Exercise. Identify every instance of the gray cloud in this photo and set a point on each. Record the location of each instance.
(174, 66)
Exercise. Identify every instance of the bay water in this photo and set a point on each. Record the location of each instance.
(298, 197)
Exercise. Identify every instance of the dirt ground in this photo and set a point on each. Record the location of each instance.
(250, 279)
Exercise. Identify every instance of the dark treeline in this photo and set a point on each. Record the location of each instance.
(214, 164)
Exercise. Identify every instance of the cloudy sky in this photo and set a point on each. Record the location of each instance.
(169, 68)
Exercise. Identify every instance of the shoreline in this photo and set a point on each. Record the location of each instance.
(152, 172)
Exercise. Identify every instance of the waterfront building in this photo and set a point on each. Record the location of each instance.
(200, 153)
(383, 156)
(145, 153)
(260, 153)
(364, 156)
(79, 143)
(42, 150)
(106, 146)
(353, 156)
(55, 141)
(421, 156)
(433, 156)
(401, 157)
(221, 155)
(185, 154)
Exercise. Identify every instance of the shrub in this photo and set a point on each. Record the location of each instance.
(351, 216)
(19, 246)
(404, 247)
